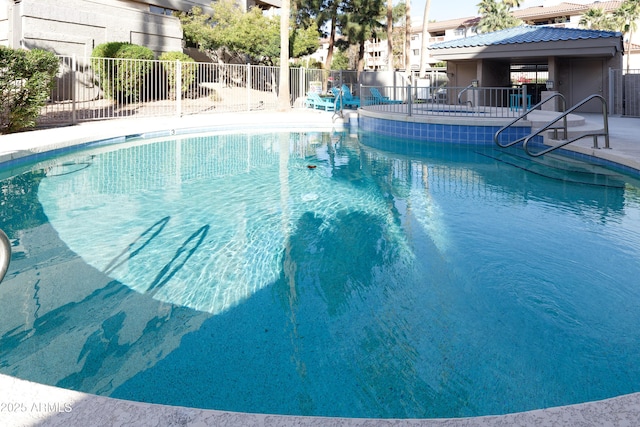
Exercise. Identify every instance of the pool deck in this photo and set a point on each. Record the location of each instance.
(24, 403)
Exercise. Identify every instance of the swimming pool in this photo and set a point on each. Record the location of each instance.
(439, 281)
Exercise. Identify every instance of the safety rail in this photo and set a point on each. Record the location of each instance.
(496, 137)
(486, 102)
(463, 91)
(338, 106)
(595, 135)
(5, 254)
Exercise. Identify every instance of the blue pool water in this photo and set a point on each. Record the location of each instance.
(391, 280)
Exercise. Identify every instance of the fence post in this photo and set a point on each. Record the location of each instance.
(178, 86)
(74, 86)
(248, 86)
(409, 104)
(524, 101)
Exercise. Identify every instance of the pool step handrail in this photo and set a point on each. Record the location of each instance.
(338, 106)
(496, 137)
(5, 254)
(595, 135)
(472, 85)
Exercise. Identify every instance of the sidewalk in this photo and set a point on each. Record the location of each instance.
(624, 140)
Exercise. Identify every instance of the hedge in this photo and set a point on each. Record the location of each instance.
(122, 81)
(26, 80)
(188, 71)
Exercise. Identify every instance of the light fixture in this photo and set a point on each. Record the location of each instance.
(549, 84)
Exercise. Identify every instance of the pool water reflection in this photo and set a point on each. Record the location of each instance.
(220, 271)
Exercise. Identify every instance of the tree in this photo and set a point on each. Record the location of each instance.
(251, 33)
(363, 21)
(497, 16)
(249, 36)
(407, 38)
(596, 19)
(424, 49)
(303, 41)
(627, 14)
(325, 14)
(332, 15)
(340, 61)
(390, 35)
(25, 85)
(399, 31)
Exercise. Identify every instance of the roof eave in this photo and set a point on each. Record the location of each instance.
(566, 48)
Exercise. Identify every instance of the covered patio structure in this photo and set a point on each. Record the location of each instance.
(575, 62)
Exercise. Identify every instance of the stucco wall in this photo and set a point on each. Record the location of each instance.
(4, 23)
(73, 27)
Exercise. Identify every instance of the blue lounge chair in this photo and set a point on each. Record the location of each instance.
(377, 98)
(348, 99)
(315, 101)
(340, 100)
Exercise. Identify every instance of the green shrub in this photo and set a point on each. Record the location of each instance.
(26, 79)
(187, 68)
(123, 73)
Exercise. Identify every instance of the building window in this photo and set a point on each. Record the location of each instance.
(460, 31)
(416, 52)
(161, 10)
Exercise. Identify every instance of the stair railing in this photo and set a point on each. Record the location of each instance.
(595, 135)
(469, 102)
(496, 137)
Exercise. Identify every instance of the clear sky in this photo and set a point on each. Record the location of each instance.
(441, 10)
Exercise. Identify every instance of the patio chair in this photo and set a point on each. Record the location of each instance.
(377, 98)
(348, 100)
(315, 101)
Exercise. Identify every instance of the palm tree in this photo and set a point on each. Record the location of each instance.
(363, 22)
(407, 38)
(283, 88)
(424, 48)
(596, 19)
(390, 35)
(497, 15)
(627, 14)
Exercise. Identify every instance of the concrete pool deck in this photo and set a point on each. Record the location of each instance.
(23, 403)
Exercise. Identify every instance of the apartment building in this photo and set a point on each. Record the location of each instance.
(551, 13)
(75, 27)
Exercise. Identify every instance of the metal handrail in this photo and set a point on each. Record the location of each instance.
(5, 254)
(463, 91)
(338, 105)
(544, 101)
(595, 135)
